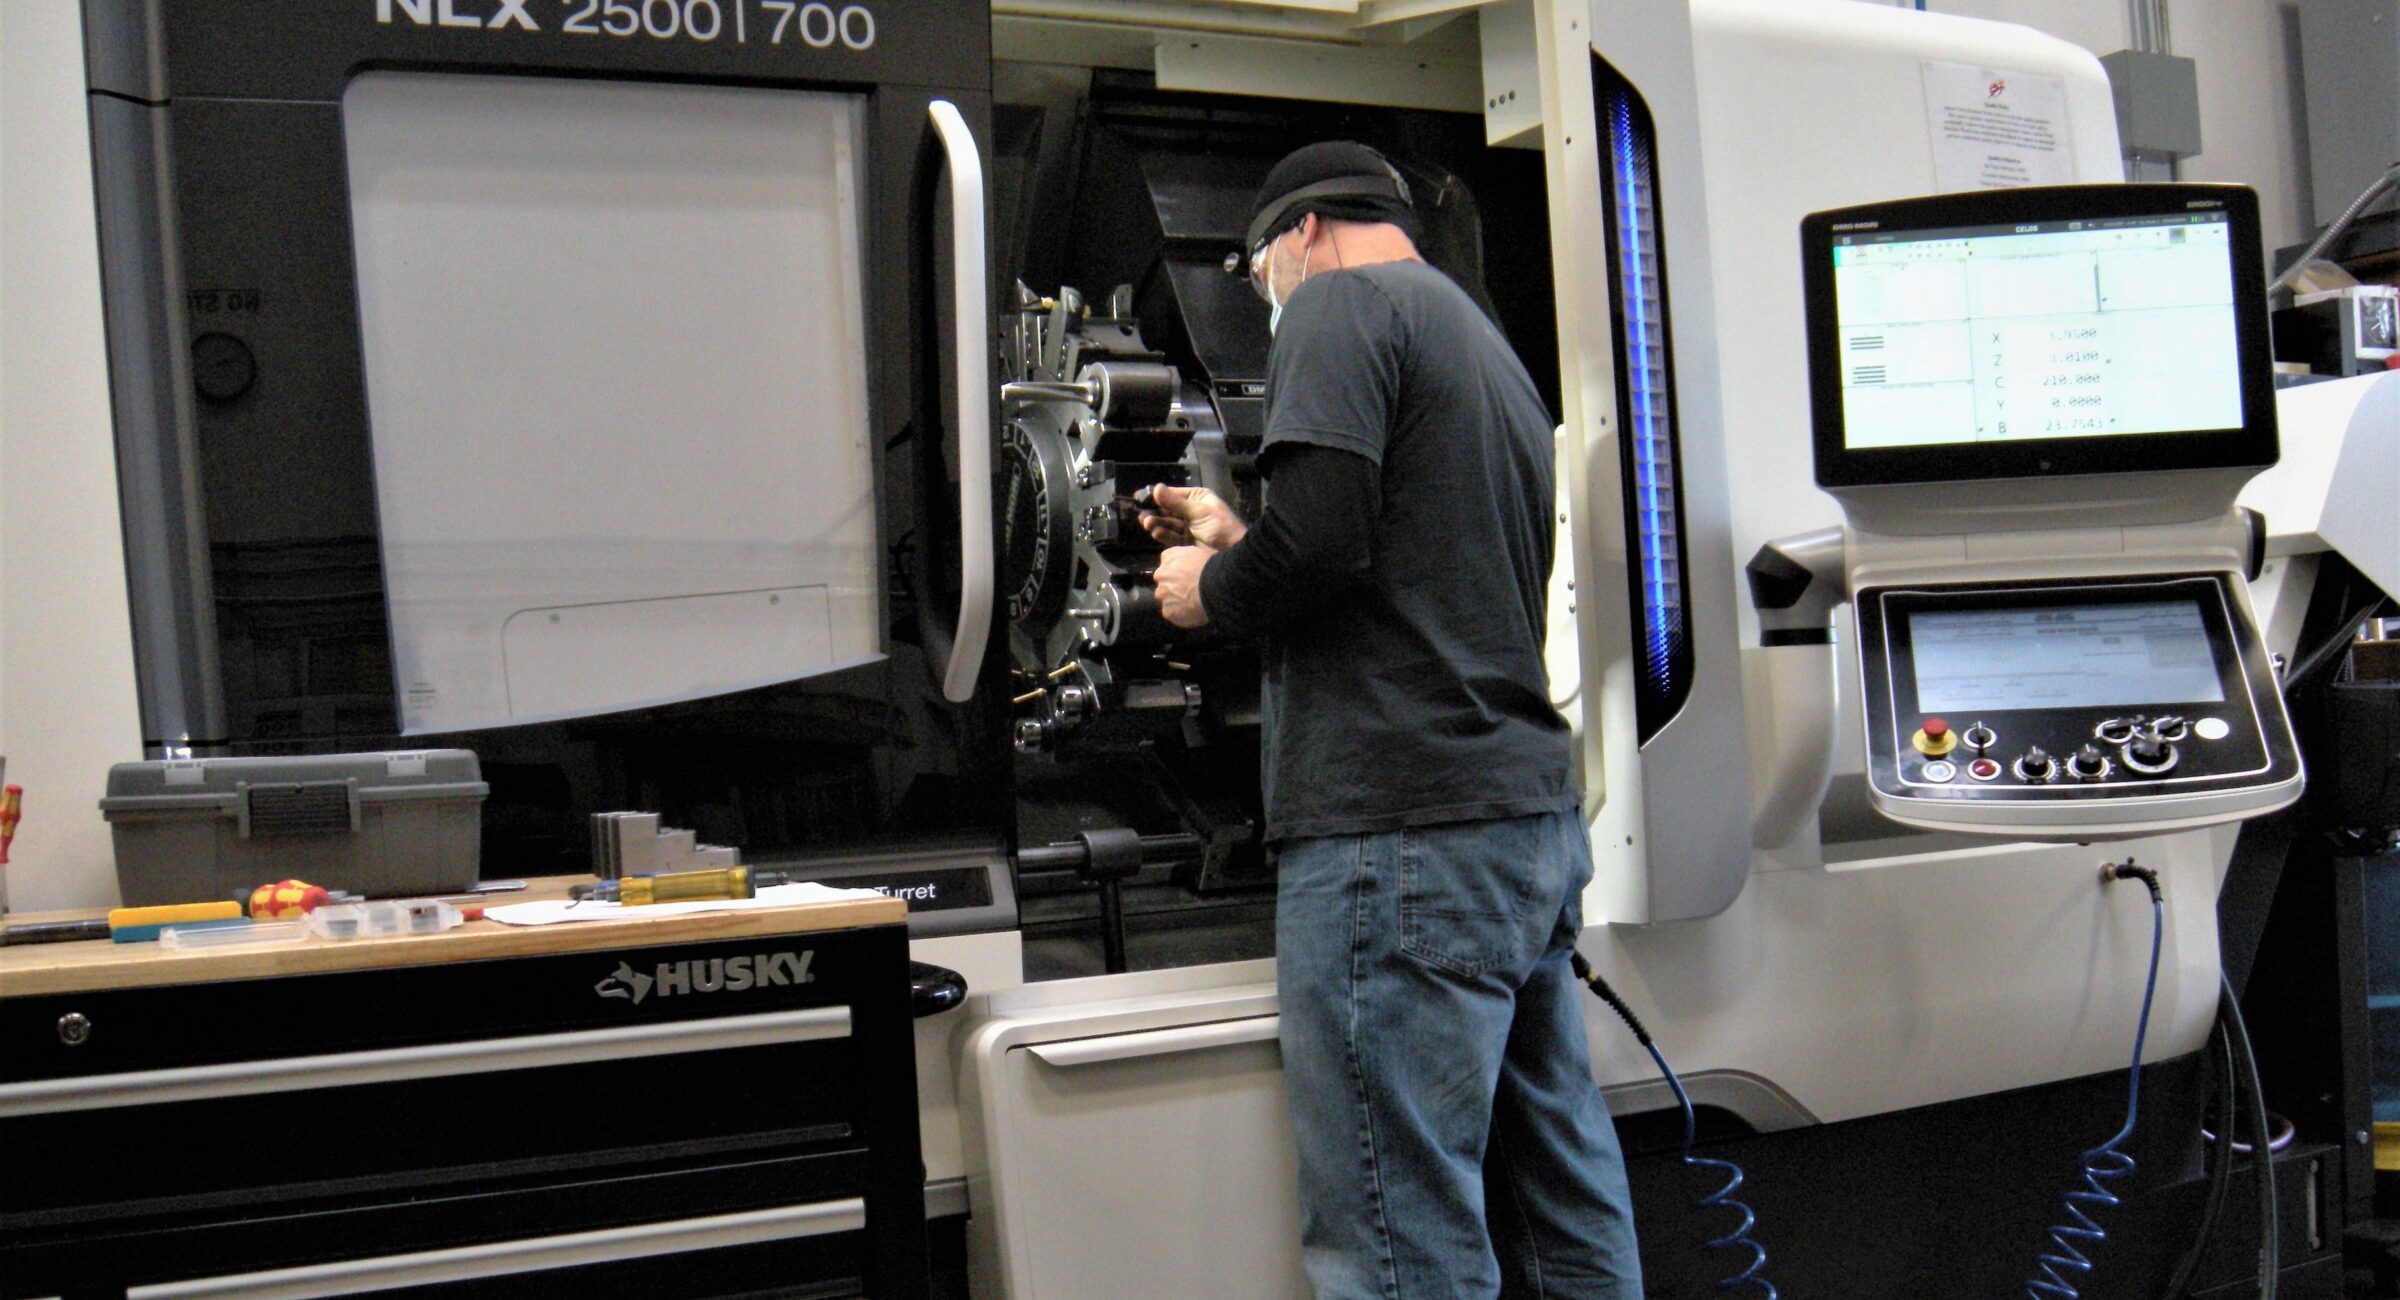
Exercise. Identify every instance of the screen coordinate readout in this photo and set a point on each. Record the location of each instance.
(2061, 329)
(2102, 656)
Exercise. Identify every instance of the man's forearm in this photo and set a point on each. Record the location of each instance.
(1315, 543)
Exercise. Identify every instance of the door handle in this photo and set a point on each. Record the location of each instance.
(1159, 1042)
(973, 355)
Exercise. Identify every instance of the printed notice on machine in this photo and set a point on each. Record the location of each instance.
(1993, 128)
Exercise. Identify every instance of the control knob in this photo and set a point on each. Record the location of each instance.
(2035, 764)
(2148, 752)
(2088, 764)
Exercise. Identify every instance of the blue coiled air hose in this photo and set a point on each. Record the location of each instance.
(1722, 1198)
(2104, 1163)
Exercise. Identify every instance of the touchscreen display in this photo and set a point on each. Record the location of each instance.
(2063, 657)
(2056, 329)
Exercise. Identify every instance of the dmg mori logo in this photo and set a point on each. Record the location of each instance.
(716, 975)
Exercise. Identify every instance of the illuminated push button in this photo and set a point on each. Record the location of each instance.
(1934, 739)
(2212, 729)
(1984, 769)
(1938, 771)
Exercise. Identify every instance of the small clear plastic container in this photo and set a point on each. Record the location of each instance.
(342, 921)
(368, 920)
(426, 915)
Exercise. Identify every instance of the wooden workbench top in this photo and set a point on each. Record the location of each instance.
(41, 968)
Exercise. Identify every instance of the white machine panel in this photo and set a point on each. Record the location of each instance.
(1128, 1137)
(2083, 709)
(2035, 406)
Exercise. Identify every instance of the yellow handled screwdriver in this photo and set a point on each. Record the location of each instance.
(681, 887)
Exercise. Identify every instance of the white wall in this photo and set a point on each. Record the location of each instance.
(2251, 126)
(2250, 123)
(67, 706)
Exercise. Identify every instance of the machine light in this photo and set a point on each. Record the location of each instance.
(1645, 402)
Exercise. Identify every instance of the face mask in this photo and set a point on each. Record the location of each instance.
(1275, 304)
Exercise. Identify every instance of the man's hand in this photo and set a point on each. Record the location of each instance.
(1178, 584)
(1184, 516)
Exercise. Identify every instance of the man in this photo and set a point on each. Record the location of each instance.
(1420, 787)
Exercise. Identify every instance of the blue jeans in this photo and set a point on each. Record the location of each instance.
(1452, 1141)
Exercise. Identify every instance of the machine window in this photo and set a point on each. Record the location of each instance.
(617, 389)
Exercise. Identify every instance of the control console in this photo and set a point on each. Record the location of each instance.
(2071, 709)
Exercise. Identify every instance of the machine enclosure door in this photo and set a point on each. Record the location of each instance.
(388, 471)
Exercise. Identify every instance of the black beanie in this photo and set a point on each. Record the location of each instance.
(1340, 179)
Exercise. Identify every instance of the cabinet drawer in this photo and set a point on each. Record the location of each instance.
(525, 1260)
(487, 1226)
(331, 1145)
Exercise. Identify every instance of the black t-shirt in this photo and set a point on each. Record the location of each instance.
(1413, 692)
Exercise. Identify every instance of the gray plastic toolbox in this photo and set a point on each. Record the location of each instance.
(384, 825)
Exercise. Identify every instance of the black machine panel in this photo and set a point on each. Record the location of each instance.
(258, 553)
(2077, 695)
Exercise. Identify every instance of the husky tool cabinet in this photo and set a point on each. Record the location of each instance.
(711, 1104)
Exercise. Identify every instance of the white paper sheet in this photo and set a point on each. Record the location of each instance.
(1993, 128)
(558, 911)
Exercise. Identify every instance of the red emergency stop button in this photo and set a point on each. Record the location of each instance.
(1934, 739)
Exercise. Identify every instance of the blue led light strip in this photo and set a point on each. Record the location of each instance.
(1645, 372)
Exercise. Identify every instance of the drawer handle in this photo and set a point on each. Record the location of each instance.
(433, 1060)
(1158, 1042)
(503, 1258)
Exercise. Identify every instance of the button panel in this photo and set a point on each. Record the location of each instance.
(2053, 705)
(2113, 749)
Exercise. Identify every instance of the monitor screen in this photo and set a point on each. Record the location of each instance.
(2036, 332)
(2098, 656)
(2056, 329)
